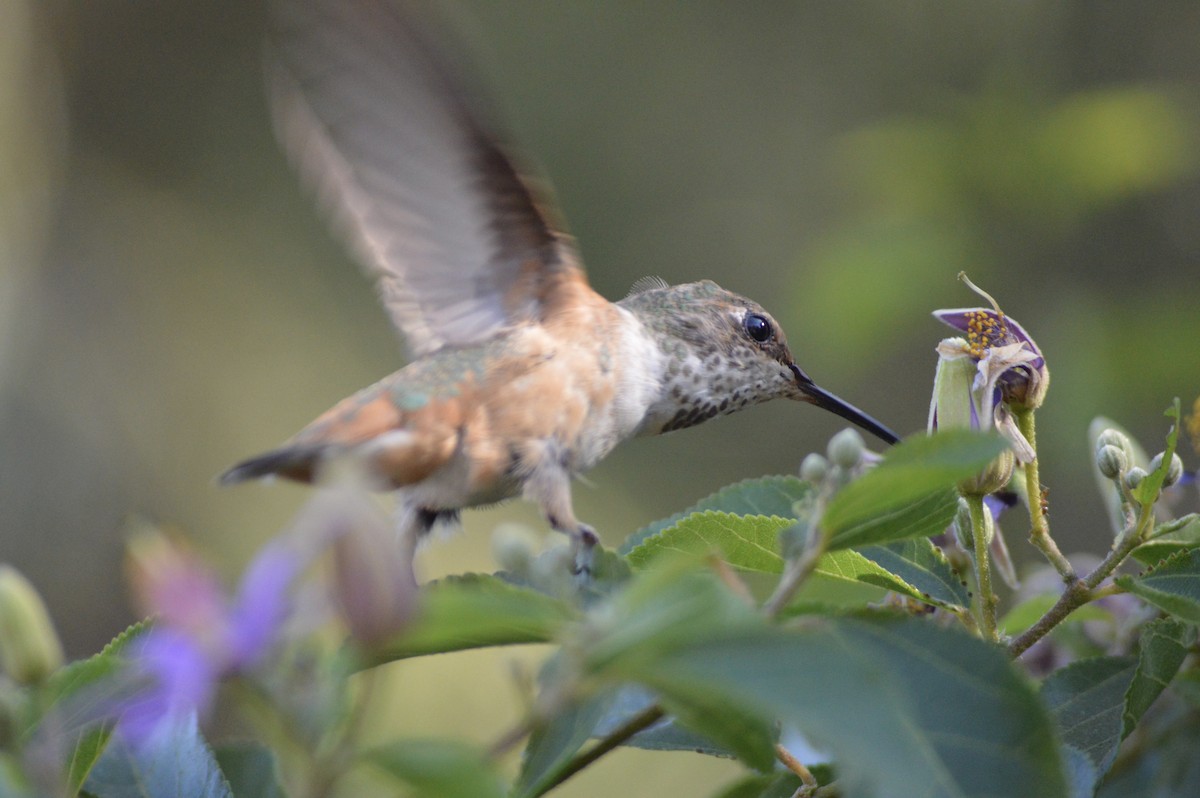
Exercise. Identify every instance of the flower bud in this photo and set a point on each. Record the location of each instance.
(551, 571)
(846, 448)
(1134, 477)
(513, 548)
(1174, 471)
(1111, 437)
(1111, 461)
(373, 579)
(992, 478)
(814, 468)
(29, 647)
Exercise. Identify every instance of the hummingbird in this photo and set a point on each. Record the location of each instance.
(521, 376)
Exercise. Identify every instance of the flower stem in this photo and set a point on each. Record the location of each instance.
(1081, 591)
(986, 607)
(1039, 533)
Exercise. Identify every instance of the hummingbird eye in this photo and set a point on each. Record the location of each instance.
(758, 328)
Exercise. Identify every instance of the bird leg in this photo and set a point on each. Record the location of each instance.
(549, 485)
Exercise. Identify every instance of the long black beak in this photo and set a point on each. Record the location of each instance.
(827, 401)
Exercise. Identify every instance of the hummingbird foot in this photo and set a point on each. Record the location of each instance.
(583, 543)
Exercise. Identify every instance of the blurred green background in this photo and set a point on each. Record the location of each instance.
(171, 302)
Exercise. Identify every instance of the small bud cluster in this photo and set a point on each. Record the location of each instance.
(846, 457)
(1114, 455)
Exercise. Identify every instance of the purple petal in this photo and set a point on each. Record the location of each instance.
(961, 318)
(998, 502)
(263, 603)
(182, 679)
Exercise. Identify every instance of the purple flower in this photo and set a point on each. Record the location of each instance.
(981, 378)
(200, 636)
(1007, 356)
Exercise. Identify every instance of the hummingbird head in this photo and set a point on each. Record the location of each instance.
(724, 352)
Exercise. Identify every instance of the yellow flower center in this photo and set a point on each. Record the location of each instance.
(985, 329)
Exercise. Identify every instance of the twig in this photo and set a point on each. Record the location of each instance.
(1039, 533)
(1081, 591)
(809, 783)
(643, 720)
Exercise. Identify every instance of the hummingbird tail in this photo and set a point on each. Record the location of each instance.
(295, 462)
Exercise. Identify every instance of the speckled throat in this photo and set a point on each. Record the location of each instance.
(710, 367)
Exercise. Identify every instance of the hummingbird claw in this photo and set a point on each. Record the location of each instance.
(584, 543)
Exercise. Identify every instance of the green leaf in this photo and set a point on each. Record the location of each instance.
(1164, 645)
(747, 542)
(13, 783)
(848, 565)
(1148, 489)
(769, 496)
(251, 770)
(552, 745)
(910, 710)
(1081, 772)
(1097, 702)
(474, 611)
(747, 735)
(751, 544)
(174, 763)
(1170, 538)
(721, 729)
(1168, 769)
(1030, 611)
(80, 696)
(439, 769)
(910, 472)
(89, 746)
(921, 564)
(776, 785)
(1173, 585)
(921, 518)
(662, 608)
(1087, 700)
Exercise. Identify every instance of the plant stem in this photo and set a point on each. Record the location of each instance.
(807, 779)
(644, 719)
(1039, 533)
(980, 520)
(1081, 591)
(800, 568)
(794, 575)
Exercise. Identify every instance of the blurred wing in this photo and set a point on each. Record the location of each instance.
(371, 115)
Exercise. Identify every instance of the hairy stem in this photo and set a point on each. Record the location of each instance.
(794, 575)
(1081, 591)
(1039, 533)
(986, 598)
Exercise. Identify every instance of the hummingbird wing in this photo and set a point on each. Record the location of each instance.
(373, 117)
